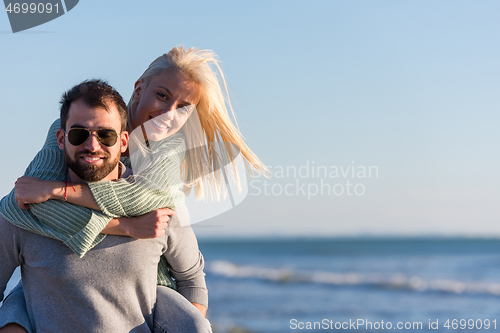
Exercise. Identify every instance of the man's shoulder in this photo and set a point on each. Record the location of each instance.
(8, 231)
(6, 224)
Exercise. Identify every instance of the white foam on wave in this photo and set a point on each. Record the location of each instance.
(388, 281)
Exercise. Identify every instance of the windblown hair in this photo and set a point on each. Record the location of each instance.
(212, 153)
(93, 93)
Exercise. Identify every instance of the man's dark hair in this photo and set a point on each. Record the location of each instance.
(93, 93)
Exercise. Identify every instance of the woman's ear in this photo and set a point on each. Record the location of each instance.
(137, 90)
(60, 138)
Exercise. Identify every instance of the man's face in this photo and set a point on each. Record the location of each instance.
(92, 160)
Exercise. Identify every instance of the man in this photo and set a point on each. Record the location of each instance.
(113, 287)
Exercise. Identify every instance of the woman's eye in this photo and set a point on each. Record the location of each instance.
(161, 95)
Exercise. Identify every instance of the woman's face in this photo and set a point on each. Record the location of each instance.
(169, 98)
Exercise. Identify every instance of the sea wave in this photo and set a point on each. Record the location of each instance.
(387, 281)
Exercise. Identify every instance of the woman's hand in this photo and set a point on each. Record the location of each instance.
(35, 190)
(150, 225)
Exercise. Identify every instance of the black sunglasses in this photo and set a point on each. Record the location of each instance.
(77, 136)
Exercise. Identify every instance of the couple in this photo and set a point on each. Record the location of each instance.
(79, 280)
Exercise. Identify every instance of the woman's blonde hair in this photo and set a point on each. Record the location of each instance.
(212, 153)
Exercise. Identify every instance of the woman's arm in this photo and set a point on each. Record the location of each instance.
(149, 225)
(30, 190)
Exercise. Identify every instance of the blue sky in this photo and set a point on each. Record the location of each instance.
(410, 87)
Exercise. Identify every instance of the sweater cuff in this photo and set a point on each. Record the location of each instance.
(89, 236)
(194, 295)
(106, 198)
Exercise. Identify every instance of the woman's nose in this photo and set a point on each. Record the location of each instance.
(169, 112)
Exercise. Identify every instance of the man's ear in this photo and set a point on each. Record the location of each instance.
(60, 138)
(137, 90)
(124, 141)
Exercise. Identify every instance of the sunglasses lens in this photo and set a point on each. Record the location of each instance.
(107, 137)
(78, 136)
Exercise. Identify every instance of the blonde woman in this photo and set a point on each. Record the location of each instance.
(169, 137)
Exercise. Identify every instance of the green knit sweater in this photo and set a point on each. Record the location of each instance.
(156, 185)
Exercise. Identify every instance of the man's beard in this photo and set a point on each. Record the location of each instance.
(89, 172)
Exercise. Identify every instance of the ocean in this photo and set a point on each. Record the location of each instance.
(356, 284)
(365, 285)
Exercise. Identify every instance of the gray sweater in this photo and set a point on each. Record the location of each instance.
(111, 289)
